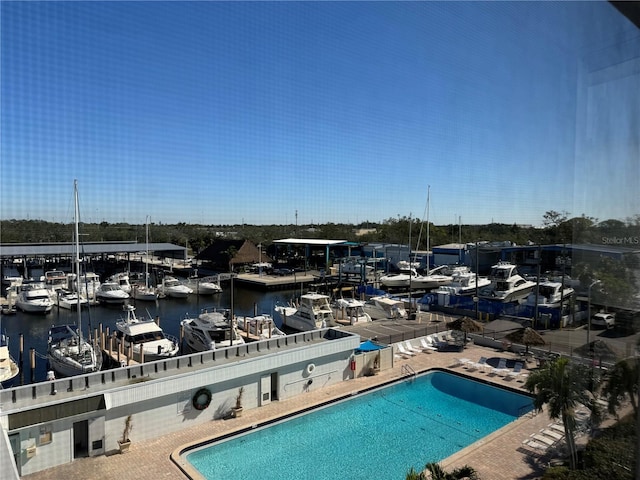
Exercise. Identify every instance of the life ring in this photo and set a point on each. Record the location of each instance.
(201, 399)
(310, 368)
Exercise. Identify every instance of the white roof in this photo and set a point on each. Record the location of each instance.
(310, 241)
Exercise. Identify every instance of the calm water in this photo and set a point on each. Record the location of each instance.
(35, 328)
(376, 435)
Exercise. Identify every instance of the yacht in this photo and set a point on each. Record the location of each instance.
(210, 331)
(408, 277)
(203, 286)
(549, 294)
(142, 291)
(121, 279)
(145, 335)
(383, 307)
(55, 280)
(8, 366)
(88, 285)
(33, 297)
(507, 285)
(262, 326)
(171, 287)
(351, 311)
(110, 292)
(312, 312)
(463, 283)
(69, 299)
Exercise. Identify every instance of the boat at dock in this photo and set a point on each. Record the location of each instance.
(145, 336)
(261, 326)
(507, 285)
(312, 312)
(33, 297)
(69, 353)
(203, 286)
(549, 294)
(171, 287)
(463, 283)
(210, 331)
(110, 292)
(350, 311)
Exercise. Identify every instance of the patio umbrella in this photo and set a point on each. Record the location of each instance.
(465, 325)
(526, 336)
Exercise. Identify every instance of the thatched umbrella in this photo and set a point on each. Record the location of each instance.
(465, 325)
(526, 336)
(596, 349)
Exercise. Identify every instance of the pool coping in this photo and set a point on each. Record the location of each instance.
(177, 455)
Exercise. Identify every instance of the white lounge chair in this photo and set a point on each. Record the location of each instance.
(426, 347)
(403, 351)
(557, 436)
(411, 348)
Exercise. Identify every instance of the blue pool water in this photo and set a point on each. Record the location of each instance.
(380, 434)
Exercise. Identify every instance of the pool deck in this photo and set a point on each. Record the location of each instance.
(499, 456)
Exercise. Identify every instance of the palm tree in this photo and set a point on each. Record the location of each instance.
(622, 381)
(562, 386)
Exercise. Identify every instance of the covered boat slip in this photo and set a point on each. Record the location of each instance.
(89, 410)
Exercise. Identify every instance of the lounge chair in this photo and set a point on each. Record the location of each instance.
(537, 446)
(501, 369)
(557, 436)
(411, 348)
(515, 373)
(548, 441)
(482, 364)
(426, 346)
(403, 351)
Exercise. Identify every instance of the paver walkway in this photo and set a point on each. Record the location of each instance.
(498, 456)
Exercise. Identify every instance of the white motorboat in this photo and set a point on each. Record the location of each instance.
(171, 287)
(203, 286)
(8, 366)
(68, 351)
(507, 285)
(69, 299)
(210, 331)
(33, 297)
(141, 291)
(109, 292)
(351, 311)
(464, 283)
(312, 312)
(382, 307)
(145, 335)
(121, 279)
(408, 277)
(88, 285)
(549, 294)
(263, 326)
(55, 280)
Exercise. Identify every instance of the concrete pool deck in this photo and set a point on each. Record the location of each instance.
(498, 456)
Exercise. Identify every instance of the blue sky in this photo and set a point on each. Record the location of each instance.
(230, 112)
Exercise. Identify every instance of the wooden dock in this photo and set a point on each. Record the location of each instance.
(271, 282)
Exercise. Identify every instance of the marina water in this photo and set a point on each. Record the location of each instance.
(35, 327)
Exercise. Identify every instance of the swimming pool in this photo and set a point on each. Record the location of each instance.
(380, 434)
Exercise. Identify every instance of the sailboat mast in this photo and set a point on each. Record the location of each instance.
(146, 262)
(76, 216)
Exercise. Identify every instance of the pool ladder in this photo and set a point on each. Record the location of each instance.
(408, 371)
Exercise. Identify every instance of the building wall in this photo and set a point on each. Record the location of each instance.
(163, 405)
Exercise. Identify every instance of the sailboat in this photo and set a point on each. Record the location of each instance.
(143, 291)
(68, 352)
